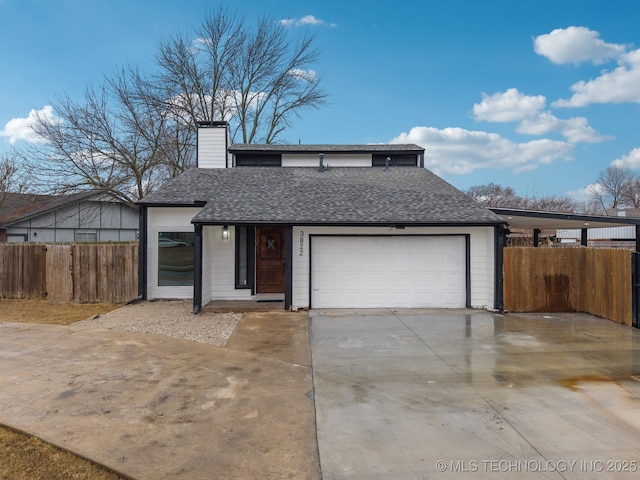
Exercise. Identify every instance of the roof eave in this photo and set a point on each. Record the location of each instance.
(313, 149)
(195, 203)
(310, 223)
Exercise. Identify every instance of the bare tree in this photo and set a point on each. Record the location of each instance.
(109, 142)
(589, 206)
(139, 129)
(7, 172)
(256, 79)
(632, 194)
(272, 82)
(493, 195)
(193, 74)
(13, 176)
(550, 203)
(615, 187)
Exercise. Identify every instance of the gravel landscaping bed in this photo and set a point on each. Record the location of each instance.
(171, 318)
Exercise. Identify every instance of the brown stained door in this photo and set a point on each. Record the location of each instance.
(269, 260)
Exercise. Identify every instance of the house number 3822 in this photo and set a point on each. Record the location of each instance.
(301, 243)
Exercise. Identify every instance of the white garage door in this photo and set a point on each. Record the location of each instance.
(388, 272)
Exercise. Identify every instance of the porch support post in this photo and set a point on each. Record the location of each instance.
(197, 269)
(584, 241)
(536, 237)
(288, 266)
(637, 238)
(499, 241)
(142, 251)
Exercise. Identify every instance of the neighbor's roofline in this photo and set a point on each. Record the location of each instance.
(58, 202)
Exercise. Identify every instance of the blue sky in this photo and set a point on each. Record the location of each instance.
(539, 96)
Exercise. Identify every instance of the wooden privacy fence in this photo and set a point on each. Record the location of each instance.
(82, 273)
(23, 271)
(597, 281)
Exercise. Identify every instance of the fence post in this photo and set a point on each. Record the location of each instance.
(635, 288)
(499, 240)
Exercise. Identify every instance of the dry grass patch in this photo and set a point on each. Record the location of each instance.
(23, 457)
(42, 311)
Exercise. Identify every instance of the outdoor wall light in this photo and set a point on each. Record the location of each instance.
(225, 232)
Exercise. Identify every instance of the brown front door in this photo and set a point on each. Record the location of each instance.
(269, 260)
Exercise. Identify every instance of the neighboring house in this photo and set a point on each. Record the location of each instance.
(82, 217)
(317, 226)
(624, 236)
(572, 228)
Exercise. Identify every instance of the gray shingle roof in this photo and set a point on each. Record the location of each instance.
(342, 195)
(17, 207)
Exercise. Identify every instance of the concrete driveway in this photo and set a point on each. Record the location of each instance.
(469, 394)
(398, 395)
(154, 407)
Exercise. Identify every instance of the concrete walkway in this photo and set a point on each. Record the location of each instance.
(153, 407)
(468, 394)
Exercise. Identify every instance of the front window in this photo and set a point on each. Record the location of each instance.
(245, 241)
(175, 258)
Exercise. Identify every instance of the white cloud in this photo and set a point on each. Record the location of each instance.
(456, 151)
(514, 106)
(20, 128)
(584, 194)
(630, 160)
(308, 75)
(540, 124)
(576, 45)
(510, 106)
(618, 86)
(304, 21)
(576, 130)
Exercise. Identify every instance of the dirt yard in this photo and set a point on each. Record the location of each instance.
(23, 457)
(41, 311)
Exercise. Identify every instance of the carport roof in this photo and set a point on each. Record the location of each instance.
(336, 196)
(554, 220)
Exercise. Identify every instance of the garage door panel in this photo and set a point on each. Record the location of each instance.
(388, 271)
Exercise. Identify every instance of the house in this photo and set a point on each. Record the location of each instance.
(82, 217)
(317, 226)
